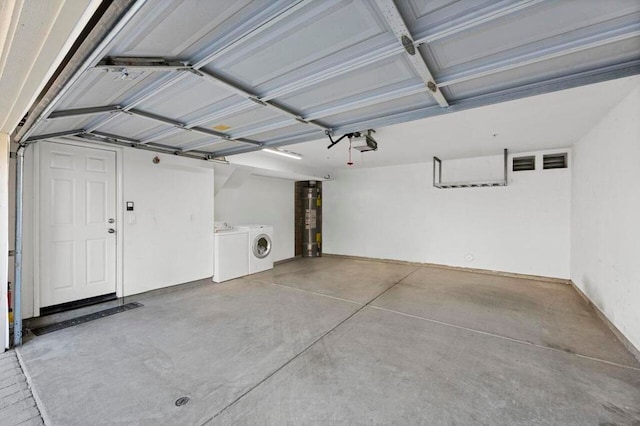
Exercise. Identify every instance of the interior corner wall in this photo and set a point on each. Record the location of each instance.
(396, 213)
(605, 230)
(260, 200)
(168, 238)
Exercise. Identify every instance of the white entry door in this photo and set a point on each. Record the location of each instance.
(77, 223)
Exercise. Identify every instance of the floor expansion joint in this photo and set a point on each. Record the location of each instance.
(235, 401)
(511, 339)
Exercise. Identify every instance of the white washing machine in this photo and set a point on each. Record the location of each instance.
(230, 252)
(260, 247)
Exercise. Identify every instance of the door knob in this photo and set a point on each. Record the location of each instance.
(111, 220)
(111, 231)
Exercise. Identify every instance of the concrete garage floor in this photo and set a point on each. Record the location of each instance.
(340, 341)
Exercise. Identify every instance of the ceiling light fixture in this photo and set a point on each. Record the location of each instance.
(283, 153)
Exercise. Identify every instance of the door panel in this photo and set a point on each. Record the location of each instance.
(96, 203)
(77, 199)
(63, 256)
(62, 201)
(96, 261)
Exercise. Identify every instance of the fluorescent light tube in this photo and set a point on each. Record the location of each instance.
(283, 153)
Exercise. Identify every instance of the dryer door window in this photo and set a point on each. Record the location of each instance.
(261, 246)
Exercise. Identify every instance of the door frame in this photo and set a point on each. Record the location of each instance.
(36, 217)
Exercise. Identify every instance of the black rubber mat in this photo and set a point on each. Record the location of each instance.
(85, 318)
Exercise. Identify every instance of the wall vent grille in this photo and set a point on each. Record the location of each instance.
(524, 163)
(554, 161)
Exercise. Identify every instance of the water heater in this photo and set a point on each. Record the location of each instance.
(312, 232)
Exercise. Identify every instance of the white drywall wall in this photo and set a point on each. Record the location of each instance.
(4, 239)
(605, 206)
(171, 239)
(260, 200)
(396, 213)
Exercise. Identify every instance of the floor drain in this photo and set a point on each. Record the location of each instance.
(182, 401)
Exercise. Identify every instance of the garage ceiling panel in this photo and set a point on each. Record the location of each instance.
(217, 113)
(273, 136)
(427, 17)
(132, 126)
(419, 10)
(180, 138)
(260, 69)
(221, 146)
(602, 56)
(318, 31)
(182, 29)
(549, 46)
(255, 116)
(102, 87)
(66, 123)
(377, 100)
(392, 70)
(533, 29)
(185, 140)
(191, 96)
(396, 106)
